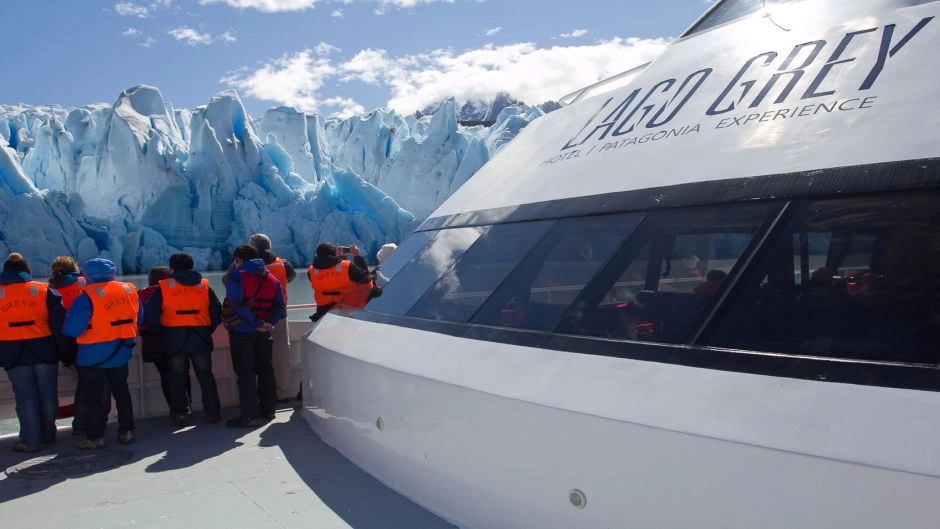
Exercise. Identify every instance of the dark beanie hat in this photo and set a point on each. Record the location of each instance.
(325, 249)
(16, 263)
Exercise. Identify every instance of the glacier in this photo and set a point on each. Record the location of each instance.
(139, 180)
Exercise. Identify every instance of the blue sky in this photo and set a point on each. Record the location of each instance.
(327, 56)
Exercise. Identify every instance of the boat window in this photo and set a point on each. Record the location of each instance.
(461, 291)
(539, 290)
(424, 269)
(729, 10)
(403, 254)
(848, 278)
(659, 285)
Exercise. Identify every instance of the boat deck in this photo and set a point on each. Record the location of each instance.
(207, 476)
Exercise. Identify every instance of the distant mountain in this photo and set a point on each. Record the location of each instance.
(480, 111)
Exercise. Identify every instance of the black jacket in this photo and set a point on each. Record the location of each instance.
(187, 340)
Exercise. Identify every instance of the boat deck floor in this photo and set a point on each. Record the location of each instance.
(205, 476)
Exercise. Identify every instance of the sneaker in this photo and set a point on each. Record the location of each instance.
(127, 437)
(91, 444)
(180, 421)
(25, 448)
(241, 422)
(269, 416)
(213, 418)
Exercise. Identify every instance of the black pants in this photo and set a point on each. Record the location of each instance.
(80, 409)
(93, 380)
(251, 358)
(180, 384)
(163, 367)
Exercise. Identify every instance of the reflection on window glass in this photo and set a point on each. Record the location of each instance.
(731, 9)
(401, 256)
(554, 272)
(413, 280)
(481, 269)
(847, 278)
(659, 285)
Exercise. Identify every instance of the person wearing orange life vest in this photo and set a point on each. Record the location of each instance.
(104, 319)
(338, 281)
(31, 316)
(254, 304)
(284, 365)
(184, 312)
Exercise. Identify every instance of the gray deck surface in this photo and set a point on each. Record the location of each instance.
(208, 476)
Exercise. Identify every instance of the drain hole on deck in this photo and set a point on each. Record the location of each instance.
(68, 464)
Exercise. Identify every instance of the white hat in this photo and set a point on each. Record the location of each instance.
(385, 251)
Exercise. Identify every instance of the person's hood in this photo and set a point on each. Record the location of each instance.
(268, 257)
(253, 266)
(99, 271)
(8, 277)
(323, 262)
(187, 277)
(64, 280)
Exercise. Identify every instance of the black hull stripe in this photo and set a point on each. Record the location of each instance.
(847, 371)
(888, 176)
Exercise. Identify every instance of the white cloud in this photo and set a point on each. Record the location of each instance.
(492, 31)
(385, 5)
(190, 36)
(130, 9)
(148, 42)
(265, 6)
(348, 107)
(292, 80)
(337, 13)
(525, 71)
(574, 34)
(132, 32)
(228, 37)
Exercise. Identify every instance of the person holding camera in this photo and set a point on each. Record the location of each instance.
(339, 276)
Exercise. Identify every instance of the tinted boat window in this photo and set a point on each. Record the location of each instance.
(400, 257)
(538, 291)
(848, 278)
(422, 271)
(659, 285)
(457, 295)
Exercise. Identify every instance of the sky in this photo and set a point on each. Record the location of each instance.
(334, 57)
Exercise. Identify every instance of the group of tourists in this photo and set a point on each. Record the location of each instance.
(88, 318)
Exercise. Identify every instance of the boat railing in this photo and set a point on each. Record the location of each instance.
(606, 84)
(144, 380)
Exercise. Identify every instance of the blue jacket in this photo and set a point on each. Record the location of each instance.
(41, 350)
(97, 354)
(186, 340)
(234, 294)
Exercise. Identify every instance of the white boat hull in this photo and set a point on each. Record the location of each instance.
(649, 445)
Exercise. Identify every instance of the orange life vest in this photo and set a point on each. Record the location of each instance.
(114, 307)
(280, 272)
(357, 295)
(184, 305)
(331, 284)
(70, 292)
(23, 312)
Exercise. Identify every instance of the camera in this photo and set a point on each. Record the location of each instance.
(343, 250)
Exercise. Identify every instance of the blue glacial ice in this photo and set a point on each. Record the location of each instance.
(139, 180)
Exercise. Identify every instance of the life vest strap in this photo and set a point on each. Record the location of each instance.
(115, 323)
(22, 323)
(188, 311)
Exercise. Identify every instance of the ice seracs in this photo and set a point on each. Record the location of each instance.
(138, 180)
